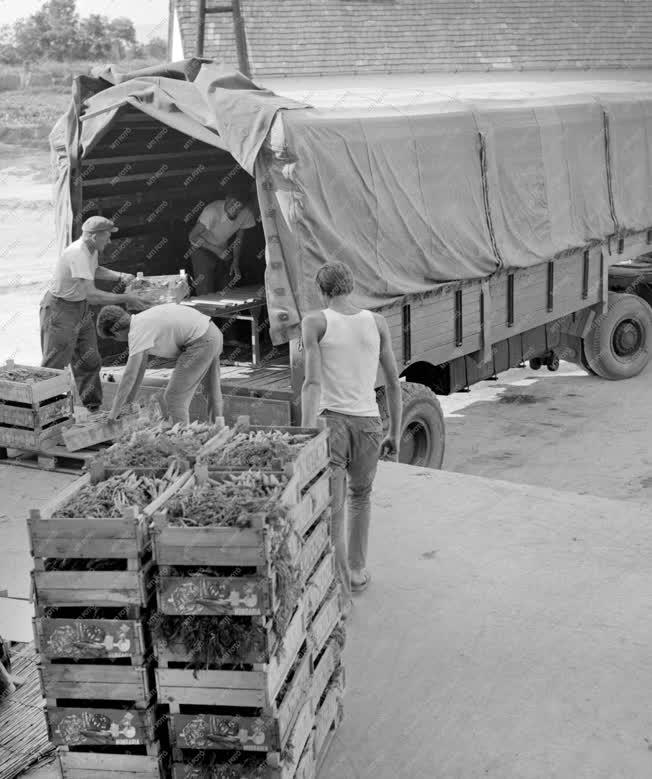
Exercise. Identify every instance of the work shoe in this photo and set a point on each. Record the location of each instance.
(360, 580)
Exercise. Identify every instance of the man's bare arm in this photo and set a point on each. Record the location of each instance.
(311, 331)
(392, 383)
(128, 382)
(97, 297)
(106, 274)
(139, 380)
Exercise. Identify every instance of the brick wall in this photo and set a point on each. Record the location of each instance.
(305, 37)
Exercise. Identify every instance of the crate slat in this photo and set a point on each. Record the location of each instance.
(83, 588)
(326, 719)
(96, 682)
(307, 767)
(101, 726)
(77, 639)
(37, 417)
(93, 765)
(325, 621)
(33, 440)
(314, 546)
(193, 595)
(108, 538)
(218, 546)
(36, 392)
(320, 583)
(323, 672)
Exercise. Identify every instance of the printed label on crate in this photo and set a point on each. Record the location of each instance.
(203, 594)
(97, 727)
(209, 731)
(78, 638)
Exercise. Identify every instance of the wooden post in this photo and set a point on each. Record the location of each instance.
(170, 29)
(240, 39)
(201, 28)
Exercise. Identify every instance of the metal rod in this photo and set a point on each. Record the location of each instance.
(551, 285)
(201, 28)
(585, 276)
(407, 334)
(240, 40)
(170, 28)
(510, 300)
(459, 330)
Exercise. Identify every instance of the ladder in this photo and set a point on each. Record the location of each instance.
(238, 25)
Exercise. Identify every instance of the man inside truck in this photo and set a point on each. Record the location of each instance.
(173, 332)
(216, 243)
(343, 347)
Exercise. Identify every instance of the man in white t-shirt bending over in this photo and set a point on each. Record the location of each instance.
(215, 258)
(171, 331)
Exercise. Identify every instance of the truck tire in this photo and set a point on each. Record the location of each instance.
(583, 362)
(423, 433)
(619, 341)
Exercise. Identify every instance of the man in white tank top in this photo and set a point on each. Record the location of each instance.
(343, 346)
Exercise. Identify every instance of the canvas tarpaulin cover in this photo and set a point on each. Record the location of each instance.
(411, 195)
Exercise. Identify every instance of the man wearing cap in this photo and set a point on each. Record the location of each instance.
(67, 332)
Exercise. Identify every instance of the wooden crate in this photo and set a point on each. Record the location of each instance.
(35, 393)
(94, 765)
(31, 440)
(301, 740)
(160, 289)
(99, 726)
(257, 688)
(311, 459)
(247, 733)
(78, 639)
(84, 682)
(96, 431)
(219, 546)
(124, 538)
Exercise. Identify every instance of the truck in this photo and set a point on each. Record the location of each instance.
(489, 230)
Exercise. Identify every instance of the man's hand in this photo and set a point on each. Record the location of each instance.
(234, 272)
(135, 303)
(113, 415)
(127, 277)
(389, 447)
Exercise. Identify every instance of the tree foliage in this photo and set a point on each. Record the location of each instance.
(56, 32)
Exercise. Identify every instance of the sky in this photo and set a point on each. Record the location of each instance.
(148, 16)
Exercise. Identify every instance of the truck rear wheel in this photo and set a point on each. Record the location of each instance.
(619, 341)
(423, 432)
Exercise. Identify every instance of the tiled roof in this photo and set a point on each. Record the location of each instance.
(306, 37)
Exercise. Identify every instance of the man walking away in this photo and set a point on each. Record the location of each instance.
(214, 261)
(343, 345)
(67, 331)
(171, 331)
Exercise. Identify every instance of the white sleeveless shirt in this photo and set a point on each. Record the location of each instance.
(350, 350)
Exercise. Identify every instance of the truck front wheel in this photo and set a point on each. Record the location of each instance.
(423, 433)
(618, 344)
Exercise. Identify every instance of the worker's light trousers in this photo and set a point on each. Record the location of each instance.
(199, 360)
(355, 451)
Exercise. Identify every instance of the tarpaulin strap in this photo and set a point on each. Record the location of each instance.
(485, 196)
(487, 313)
(610, 188)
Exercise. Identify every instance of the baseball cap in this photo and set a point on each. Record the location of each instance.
(99, 224)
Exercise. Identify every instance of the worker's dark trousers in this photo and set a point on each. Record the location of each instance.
(210, 272)
(68, 338)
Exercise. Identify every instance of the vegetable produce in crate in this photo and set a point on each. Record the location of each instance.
(256, 449)
(24, 375)
(230, 503)
(214, 640)
(109, 498)
(152, 445)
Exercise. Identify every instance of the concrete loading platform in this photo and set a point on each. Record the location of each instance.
(507, 632)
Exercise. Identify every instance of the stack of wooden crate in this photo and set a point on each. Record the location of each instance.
(36, 404)
(267, 707)
(91, 636)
